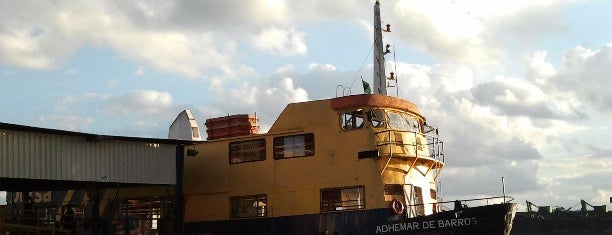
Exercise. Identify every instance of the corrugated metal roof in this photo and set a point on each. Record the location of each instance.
(38, 153)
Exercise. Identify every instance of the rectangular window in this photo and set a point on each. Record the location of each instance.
(249, 206)
(394, 191)
(352, 120)
(341, 199)
(247, 151)
(418, 195)
(294, 146)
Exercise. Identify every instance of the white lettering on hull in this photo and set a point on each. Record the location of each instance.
(426, 225)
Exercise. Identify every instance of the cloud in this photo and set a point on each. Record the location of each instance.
(140, 102)
(513, 97)
(473, 32)
(139, 71)
(143, 33)
(268, 99)
(221, 15)
(588, 174)
(280, 42)
(321, 67)
(433, 27)
(580, 77)
(68, 122)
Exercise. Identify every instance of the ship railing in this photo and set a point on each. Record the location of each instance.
(342, 205)
(432, 148)
(393, 140)
(457, 204)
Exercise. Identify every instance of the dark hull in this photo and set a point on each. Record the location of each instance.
(491, 219)
(562, 223)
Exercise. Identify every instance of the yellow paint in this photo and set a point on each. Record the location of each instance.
(293, 186)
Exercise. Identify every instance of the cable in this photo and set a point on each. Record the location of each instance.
(362, 65)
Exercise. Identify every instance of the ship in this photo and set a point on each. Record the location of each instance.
(589, 219)
(353, 164)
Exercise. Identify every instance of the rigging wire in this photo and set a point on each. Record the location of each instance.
(397, 90)
(362, 65)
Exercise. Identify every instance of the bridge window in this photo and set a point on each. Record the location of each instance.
(294, 146)
(352, 120)
(341, 199)
(394, 191)
(249, 206)
(403, 122)
(376, 117)
(247, 151)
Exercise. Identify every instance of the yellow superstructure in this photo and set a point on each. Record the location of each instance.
(324, 156)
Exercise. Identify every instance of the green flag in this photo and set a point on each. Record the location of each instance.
(366, 87)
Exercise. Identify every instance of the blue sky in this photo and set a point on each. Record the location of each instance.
(517, 88)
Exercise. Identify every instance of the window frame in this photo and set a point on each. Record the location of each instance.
(406, 122)
(234, 212)
(278, 146)
(260, 140)
(333, 204)
(372, 115)
(353, 119)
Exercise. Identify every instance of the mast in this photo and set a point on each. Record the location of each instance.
(380, 79)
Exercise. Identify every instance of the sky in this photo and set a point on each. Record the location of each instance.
(518, 89)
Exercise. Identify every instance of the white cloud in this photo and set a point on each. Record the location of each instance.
(49, 35)
(268, 99)
(139, 71)
(321, 67)
(283, 42)
(433, 26)
(473, 32)
(141, 102)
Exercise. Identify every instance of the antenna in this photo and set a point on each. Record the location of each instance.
(380, 79)
(504, 189)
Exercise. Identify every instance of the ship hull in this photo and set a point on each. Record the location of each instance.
(490, 219)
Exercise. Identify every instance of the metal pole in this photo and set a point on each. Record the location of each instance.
(504, 189)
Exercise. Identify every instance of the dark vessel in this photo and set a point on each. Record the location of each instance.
(356, 164)
(588, 220)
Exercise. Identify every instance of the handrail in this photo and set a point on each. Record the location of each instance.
(435, 146)
(467, 200)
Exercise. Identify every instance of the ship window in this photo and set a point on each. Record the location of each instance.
(418, 198)
(247, 151)
(403, 121)
(249, 206)
(195, 133)
(376, 117)
(294, 146)
(341, 199)
(432, 194)
(352, 120)
(394, 191)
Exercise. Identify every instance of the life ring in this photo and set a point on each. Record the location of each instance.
(397, 207)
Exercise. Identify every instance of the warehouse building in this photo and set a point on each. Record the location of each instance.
(66, 181)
